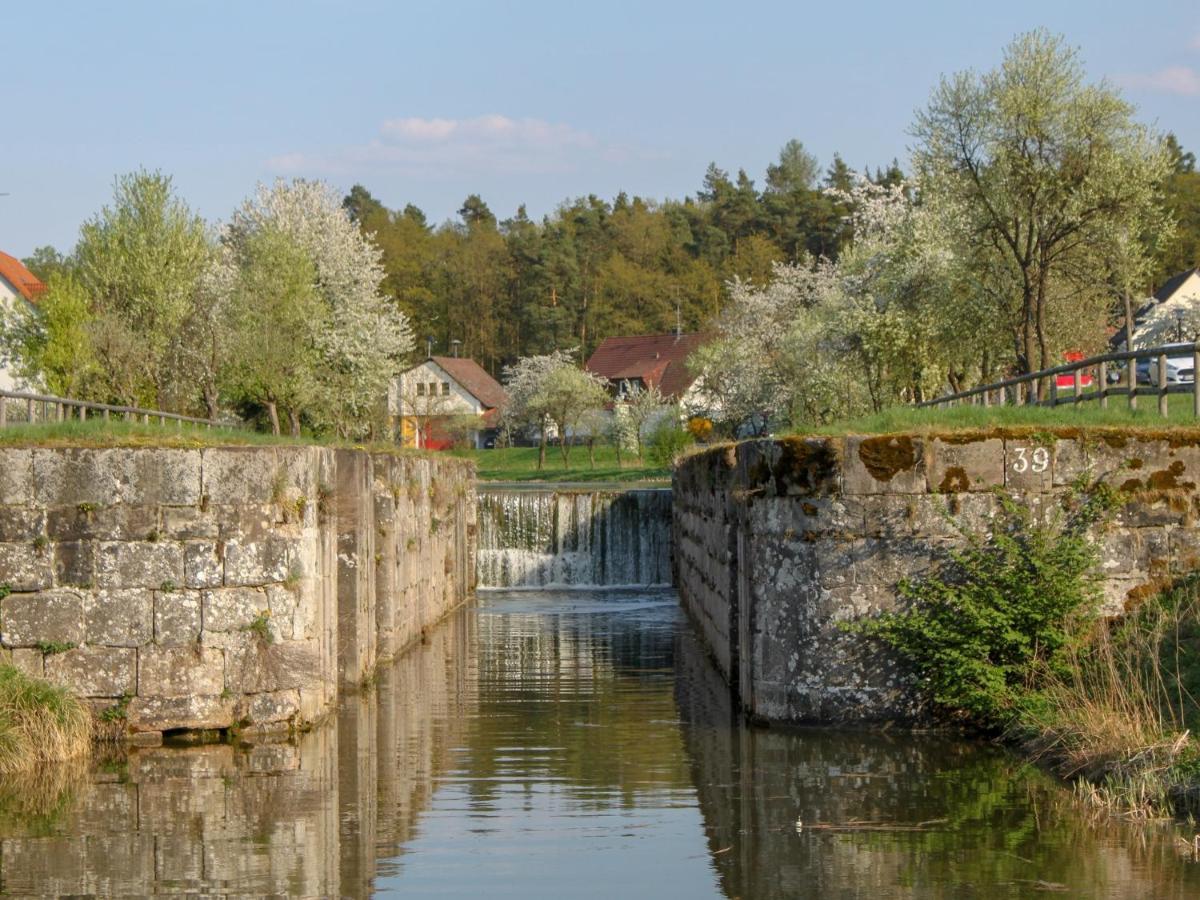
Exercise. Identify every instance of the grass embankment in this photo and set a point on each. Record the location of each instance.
(520, 464)
(979, 418)
(39, 723)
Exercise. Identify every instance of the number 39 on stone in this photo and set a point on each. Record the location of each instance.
(1037, 461)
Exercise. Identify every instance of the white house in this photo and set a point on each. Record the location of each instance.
(430, 399)
(17, 285)
(1172, 314)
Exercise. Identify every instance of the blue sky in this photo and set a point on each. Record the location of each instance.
(519, 101)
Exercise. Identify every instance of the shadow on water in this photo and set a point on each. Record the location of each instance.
(567, 744)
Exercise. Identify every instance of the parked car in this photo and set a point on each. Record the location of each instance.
(1179, 370)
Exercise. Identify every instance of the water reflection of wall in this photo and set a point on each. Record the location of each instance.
(1004, 826)
(304, 819)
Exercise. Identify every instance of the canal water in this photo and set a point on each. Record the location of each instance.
(570, 744)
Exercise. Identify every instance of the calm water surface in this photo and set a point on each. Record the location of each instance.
(553, 744)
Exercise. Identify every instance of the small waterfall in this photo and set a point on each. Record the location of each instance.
(539, 538)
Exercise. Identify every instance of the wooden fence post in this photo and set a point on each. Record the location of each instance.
(1195, 370)
(1162, 385)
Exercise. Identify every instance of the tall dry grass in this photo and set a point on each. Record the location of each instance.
(39, 723)
(1119, 713)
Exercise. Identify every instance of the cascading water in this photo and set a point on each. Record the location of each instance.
(565, 538)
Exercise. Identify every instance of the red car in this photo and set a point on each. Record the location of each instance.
(1068, 380)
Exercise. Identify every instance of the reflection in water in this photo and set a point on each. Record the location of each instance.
(559, 744)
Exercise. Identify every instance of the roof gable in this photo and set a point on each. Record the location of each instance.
(23, 281)
(658, 360)
(474, 379)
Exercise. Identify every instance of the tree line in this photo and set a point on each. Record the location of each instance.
(1035, 212)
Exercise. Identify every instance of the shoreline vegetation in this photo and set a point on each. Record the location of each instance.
(1006, 638)
(40, 723)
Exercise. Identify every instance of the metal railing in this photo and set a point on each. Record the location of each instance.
(1031, 389)
(33, 408)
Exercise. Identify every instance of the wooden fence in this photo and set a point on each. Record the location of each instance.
(1092, 381)
(25, 409)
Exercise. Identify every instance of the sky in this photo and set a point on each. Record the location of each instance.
(520, 102)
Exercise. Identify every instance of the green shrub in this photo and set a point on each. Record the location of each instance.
(981, 627)
(667, 442)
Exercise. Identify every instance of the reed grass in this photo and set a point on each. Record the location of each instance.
(1120, 714)
(39, 723)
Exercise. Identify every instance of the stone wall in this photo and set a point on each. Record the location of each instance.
(778, 542)
(207, 588)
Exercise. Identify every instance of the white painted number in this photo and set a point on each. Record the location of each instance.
(1039, 463)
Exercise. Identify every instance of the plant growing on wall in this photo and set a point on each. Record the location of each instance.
(1005, 608)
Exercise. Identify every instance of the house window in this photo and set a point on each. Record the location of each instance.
(445, 389)
(420, 389)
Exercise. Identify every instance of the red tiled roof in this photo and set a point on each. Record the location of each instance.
(659, 360)
(474, 379)
(14, 272)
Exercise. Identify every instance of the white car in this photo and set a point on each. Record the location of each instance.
(1180, 369)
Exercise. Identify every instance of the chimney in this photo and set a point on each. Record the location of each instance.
(454, 345)
(429, 346)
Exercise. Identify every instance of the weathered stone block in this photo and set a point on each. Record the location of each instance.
(253, 666)
(119, 618)
(25, 567)
(233, 609)
(102, 523)
(21, 524)
(275, 706)
(1028, 465)
(50, 616)
(30, 661)
(16, 477)
(188, 523)
(256, 562)
(177, 617)
(133, 476)
(94, 671)
(75, 563)
(974, 466)
(242, 475)
(884, 464)
(1073, 459)
(203, 565)
(158, 714)
(1183, 555)
(144, 564)
(183, 672)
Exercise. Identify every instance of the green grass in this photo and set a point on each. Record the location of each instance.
(39, 722)
(520, 464)
(968, 418)
(100, 434)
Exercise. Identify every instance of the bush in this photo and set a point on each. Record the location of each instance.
(667, 442)
(1002, 612)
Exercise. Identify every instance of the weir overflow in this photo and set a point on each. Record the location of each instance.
(573, 537)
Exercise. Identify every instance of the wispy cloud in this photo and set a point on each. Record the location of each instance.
(438, 147)
(1182, 80)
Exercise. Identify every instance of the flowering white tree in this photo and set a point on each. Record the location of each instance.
(890, 321)
(775, 349)
(550, 389)
(639, 408)
(362, 339)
